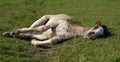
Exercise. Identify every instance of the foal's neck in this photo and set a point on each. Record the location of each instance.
(82, 30)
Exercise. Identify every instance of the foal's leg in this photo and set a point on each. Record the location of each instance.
(16, 32)
(46, 35)
(42, 21)
(39, 29)
(42, 28)
(38, 42)
(53, 40)
(37, 23)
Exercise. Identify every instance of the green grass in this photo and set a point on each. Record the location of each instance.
(4, 2)
(22, 13)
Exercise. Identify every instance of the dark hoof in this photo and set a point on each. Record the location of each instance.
(7, 34)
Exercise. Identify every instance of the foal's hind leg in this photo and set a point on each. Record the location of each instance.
(46, 35)
(39, 29)
(8, 34)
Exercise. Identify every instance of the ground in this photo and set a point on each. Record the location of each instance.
(17, 14)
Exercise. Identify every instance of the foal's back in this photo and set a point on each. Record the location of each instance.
(60, 18)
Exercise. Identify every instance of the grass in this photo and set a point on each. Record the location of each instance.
(17, 14)
(4, 2)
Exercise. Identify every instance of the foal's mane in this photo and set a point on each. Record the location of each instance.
(106, 31)
(74, 22)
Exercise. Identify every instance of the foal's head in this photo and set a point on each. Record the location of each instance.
(96, 31)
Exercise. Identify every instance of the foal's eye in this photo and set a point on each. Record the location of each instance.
(95, 27)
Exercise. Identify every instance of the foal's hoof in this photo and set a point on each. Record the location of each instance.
(7, 34)
(34, 42)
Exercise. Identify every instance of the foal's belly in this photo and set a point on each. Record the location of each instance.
(62, 30)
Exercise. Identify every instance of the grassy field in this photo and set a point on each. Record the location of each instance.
(22, 13)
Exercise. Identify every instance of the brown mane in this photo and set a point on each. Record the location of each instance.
(106, 31)
(73, 22)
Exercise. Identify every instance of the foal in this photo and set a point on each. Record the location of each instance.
(51, 29)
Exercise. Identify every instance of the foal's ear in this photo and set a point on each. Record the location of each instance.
(98, 23)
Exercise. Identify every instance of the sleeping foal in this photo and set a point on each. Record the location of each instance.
(51, 29)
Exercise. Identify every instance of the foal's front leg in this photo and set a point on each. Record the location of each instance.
(37, 23)
(40, 22)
